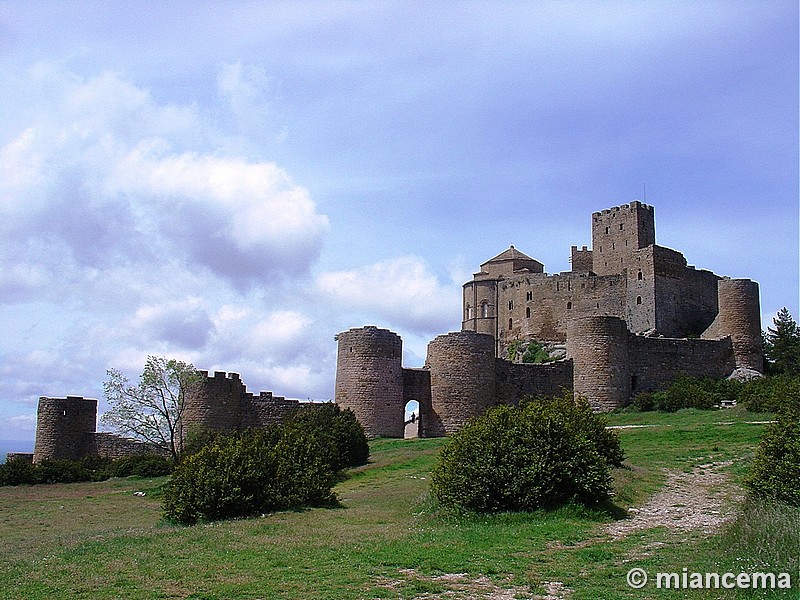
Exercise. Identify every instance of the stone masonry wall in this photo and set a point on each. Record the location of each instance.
(740, 319)
(369, 379)
(514, 381)
(657, 362)
(417, 386)
(64, 427)
(108, 445)
(599, 348)
(261, 410)
(215, 403)
(462, 367)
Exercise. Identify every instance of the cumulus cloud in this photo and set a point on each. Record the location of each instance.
(100, 172)
(132, 227)
(185, 324)
(402, 291)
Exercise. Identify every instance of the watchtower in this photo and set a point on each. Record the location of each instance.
(462, 366)
(64, 427)
(369, 379)
(619, 232)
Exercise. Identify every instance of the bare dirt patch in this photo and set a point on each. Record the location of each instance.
(462, 586)
(695, 500)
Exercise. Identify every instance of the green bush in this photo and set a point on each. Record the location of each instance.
(543, 454)
(771, 394)
(338, 431)
(146, 465)
(776, 467)
(90, 468)
(689, 392)
(250, 473)
(17, 472)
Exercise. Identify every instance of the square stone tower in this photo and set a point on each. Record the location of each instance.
(619, 232)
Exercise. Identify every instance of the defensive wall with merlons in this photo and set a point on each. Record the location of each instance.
(630, 317)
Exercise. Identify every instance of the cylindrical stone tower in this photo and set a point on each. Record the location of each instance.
(462, 366)
(740, 318)
(598, 347)
(369, 379)
(214, 403)
(64, 427)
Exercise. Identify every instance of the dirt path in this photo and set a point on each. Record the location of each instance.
(695, 500)
(687, 501)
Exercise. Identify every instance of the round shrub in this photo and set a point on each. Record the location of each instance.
(247, 474)
(338, 431)
(776, 467)
(545, 453)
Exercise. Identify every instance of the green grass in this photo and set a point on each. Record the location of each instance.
(389, 539)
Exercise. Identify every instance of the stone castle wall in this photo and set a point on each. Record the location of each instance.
(598, 347)
(515, 381)
(108, 445)
(221, 402)
(67, 427)
(739, 318)
(462, 379)
(369, 379)
(417, 387)
(617, 233)
(64, 427)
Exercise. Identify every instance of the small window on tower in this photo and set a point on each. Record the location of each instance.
(606, 229)
(638, 299)
(639, 276)
(620, 226)
(569, 305)
(510, 324)
(528, 312)
(510, 305)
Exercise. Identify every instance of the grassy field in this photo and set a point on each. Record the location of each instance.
(388, 539)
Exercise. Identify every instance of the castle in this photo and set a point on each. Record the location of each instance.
(66, 428)
(629, 317)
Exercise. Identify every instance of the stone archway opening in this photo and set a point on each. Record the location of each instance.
(411, 420)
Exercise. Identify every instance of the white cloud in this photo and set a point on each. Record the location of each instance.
(402, 291)
(183, 323)
(99, 172)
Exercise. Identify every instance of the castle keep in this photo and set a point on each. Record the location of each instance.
(630, 317)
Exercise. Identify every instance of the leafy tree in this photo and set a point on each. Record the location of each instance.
(782, 344)
(151, 410)
(536, 353)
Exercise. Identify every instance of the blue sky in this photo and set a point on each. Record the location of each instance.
(233, 183)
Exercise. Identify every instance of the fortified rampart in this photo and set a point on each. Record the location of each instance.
(221, 402)
(66, 428)
(633, 315)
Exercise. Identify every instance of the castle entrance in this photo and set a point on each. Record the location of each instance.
(411, 419)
